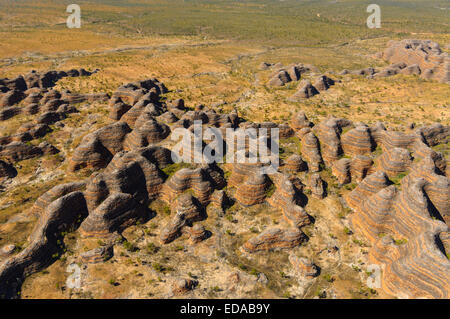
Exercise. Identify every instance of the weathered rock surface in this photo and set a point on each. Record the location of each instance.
(303, 266)
(7, 170)
(426, 54)
(357, 141)
(287, 198)
(188, 211)
(295, 163)
(305, 92)
(317, 186)
(311, 151)
(275, 238)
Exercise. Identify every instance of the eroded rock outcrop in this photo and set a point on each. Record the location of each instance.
(306, 91)
(317, 186)
(97, 149)
(311, 151)
(275, 238)
(188, 210)
(426, 54)
(287, 198)
(303, 266)
(357, 141)
(60, 216)
(7, 170)
(295, 163)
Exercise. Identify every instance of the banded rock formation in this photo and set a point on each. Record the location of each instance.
(275, 238)
(426, 54)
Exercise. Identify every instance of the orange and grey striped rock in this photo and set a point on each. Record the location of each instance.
(421, 151)
(253, 190)
(33, 97)
(188, 211)
(241, 171)
(377, 132)
(285, 131)
(295, 72)
(147, 180)
(7, 170)
(60, 216)
(118, 109)
(302, 132)
(18, 151)
(150, 171)
(50, 117)
(437, 187)
(7, 250)
(299, 121)
(51, 105)
(96, 191)
(360, 167)
(17, 83)
(66, 109)
(317, 186)
(115, 213)
(129, 93)
(168, 117)
(435, 134)
(286, 198)
(369, 186)
(281, 78)
(357, 141)
(32, 109)
(426, 54)
(73, 98)
(310, 151)
(305, 92)
(417, 268)
(445, 240)
(395, 160)
(341, 170)
(323, 83)
(411, 69)
(393, 139)
(98, 255)
(134, 172)
(374, 213)
(274, 239)
(54, 193)
(388, 71)
(295, 163)
(200, 180)
(197, 233)
(328, 133)
(219, 199)
(147, 131)
(176, 105)
(10, 98)
(50, 95)
(97, 149)
(9, 112)
(303, 266)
